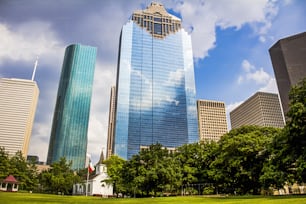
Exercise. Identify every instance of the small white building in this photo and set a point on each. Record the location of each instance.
(96, 184)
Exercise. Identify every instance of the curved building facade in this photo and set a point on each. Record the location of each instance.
(155, 84)
(71, 114)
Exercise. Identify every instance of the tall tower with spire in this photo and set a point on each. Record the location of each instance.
(18, 102)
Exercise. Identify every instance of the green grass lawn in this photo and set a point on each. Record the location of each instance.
(27, 198)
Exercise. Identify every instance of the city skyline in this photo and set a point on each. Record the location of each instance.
(230, 46)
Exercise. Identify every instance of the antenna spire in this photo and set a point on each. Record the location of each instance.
(35, 66)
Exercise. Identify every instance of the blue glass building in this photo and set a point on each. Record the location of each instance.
(71, 114)
(155, 84)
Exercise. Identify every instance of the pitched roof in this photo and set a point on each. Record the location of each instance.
(10, 179)
(101, 160)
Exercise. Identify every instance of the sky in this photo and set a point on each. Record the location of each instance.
(230, 38)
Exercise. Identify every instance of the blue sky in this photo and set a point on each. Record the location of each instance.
(230, 39)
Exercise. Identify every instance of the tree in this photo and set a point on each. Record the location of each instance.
(59, 178)
(151, 171)
(288, 151)
(154, 171)
(115, 171)
(188, 155)
(32, 176)
(174, 171)
(160, 174)
(4, 163)
(16, 165)
(296, 129)
(25, 172)
(241, 155)
(134, 175)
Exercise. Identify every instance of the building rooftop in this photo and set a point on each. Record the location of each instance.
(156, 20)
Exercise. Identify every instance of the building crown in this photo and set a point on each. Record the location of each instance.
(156, 20)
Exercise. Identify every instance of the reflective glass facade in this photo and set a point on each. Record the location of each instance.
(155, 85)
(71, 114)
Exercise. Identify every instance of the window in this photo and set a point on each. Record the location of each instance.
(157, 19)
(157, 28)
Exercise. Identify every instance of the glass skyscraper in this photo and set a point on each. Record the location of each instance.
(155, 84)
(71, 114)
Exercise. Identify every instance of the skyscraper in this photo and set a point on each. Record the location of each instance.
(262, 109)
(71, 114)
(155, 84)
(18, 101)
(111, 123)
(289, 64)
(212, 120)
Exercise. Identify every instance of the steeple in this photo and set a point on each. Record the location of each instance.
(100, 167)
(101, 160)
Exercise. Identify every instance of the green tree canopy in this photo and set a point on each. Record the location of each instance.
(296, 129)
(115, 172)
(241, 156)
(4, 163)
(59, 178)
(288, 154)
(16, 165)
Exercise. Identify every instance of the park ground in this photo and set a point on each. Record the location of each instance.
(27, 198)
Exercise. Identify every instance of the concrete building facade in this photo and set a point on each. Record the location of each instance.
(289, 64)
(262, 109)
(212, 120)
(18, 102)
(111, 123)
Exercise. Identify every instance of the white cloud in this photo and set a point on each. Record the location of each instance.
(231, 14)
(39, 142)
(200, 18)
(246, 66)
(270, 86)
(289, 21)
(259, 76)
(262, 38)
(27, 41)
(240, 79)
(232, 106)
(200, 21)
(252, 74)
(97, 135)
(287, 2)
(228, 109)
(105, 75)
(21, 44)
